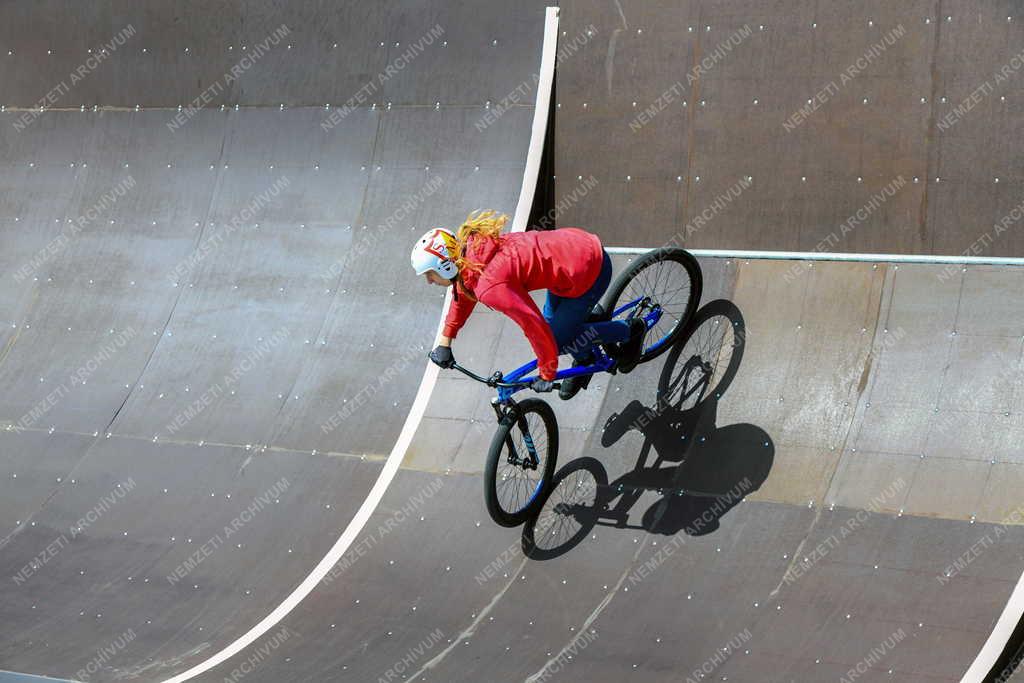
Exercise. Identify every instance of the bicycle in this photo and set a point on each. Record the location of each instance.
(522, 454)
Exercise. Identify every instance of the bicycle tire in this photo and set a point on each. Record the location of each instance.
(513, 515)
(682, 318)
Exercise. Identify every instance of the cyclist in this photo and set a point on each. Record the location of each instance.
(500, 270)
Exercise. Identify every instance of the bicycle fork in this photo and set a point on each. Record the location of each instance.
(530, 461)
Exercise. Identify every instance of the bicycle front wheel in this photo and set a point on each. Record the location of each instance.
(521, 462)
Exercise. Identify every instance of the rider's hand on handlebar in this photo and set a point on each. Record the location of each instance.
(442, 355)
(542, 385)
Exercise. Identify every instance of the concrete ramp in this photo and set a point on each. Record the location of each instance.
(836, 501)
(223, 455)
(210, 339)
(877, 127)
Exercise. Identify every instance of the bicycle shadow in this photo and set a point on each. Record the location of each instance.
(699, 470)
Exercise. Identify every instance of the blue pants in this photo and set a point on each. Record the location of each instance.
(566, 318)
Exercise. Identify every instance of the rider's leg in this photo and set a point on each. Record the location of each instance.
(568, 319)
(628, 352)
(576, 336)
(621, 339)
(566, 316)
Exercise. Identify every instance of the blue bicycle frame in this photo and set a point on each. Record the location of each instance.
(519, 381)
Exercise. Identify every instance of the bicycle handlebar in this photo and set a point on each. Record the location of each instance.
(495, 380)
(492, 381)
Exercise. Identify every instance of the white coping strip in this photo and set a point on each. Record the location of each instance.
(834, 256)
(540, 121)
(998, 639)
(426, 387)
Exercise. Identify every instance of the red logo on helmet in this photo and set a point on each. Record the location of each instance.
(437, 240)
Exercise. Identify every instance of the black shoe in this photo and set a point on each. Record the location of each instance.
(629, 352)
(572, 385)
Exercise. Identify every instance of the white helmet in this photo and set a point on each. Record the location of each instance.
(432, 253)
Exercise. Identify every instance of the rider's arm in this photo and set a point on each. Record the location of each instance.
(515, 302)
(458, 312)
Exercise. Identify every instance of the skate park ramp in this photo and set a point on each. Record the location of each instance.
(814, 514)
(841, 501)
(899, 121)
(211, 337)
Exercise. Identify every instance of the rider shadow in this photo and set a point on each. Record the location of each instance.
(699, 470)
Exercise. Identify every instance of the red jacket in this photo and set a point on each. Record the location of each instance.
(565, 262)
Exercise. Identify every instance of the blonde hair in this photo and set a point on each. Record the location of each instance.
(486, 224)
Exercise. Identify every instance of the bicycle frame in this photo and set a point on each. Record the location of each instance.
(518, 380)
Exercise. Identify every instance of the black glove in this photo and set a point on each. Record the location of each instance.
(542, 385)
(442, 355)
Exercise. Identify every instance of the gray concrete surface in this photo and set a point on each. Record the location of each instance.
(197, 312)
(193, 413)
(855, 514)
(908, 117)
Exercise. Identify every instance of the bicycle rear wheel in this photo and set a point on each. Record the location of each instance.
(521, 462)
(668, 279)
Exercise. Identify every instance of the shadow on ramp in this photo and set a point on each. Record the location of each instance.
(699, 470)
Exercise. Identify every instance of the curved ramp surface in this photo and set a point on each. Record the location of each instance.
(841, 498)
(874, 127)
(210, 337)
(196, 406)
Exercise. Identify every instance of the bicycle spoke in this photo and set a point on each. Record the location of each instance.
(517, 484)
(666, 283)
